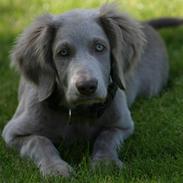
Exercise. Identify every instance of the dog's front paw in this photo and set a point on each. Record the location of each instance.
(56, 169)
(106, 162)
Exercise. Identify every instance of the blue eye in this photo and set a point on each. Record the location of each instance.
(64, 52)
(99, 47)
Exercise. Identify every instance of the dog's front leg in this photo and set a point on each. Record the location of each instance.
(40, 149)
(45, 155)
(114, 132)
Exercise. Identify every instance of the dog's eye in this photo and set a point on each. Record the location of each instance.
(99, 47)
(64, 52)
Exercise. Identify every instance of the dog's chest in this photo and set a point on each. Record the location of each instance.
(62, 126)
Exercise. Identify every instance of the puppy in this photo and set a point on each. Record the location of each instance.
(80, 71)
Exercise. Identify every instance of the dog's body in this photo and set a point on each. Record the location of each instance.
(135, 55)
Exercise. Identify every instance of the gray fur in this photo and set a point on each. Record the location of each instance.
(133, 51)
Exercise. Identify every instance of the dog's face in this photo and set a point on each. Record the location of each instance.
(80, 51)
(81, 54)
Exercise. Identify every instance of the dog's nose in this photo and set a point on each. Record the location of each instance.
(87, 87)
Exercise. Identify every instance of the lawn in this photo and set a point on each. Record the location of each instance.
(154, 153)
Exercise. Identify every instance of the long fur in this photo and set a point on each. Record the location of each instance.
(134, 58)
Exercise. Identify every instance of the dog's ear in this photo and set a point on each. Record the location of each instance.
(126, 40)
(32, 55)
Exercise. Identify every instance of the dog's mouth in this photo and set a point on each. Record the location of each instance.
(86, 101)
(86, 107)
(92, 106)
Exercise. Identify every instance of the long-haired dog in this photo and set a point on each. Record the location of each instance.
(80, 71)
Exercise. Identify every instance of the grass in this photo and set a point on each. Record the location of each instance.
(154, 153)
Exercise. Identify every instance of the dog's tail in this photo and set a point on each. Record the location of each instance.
(165, 22)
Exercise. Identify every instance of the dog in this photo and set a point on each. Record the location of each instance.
(80, 72)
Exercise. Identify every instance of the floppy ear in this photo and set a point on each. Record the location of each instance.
(32, 55)
(126, 40)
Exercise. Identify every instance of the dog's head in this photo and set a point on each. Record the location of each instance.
(81, 51)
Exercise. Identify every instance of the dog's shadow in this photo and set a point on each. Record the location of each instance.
(76, 152)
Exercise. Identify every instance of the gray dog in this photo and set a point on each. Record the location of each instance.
(80, 71)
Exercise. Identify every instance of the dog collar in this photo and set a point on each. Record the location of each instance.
(95, 110)
(92, 111)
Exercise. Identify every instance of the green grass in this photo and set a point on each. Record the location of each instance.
(154, 153)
